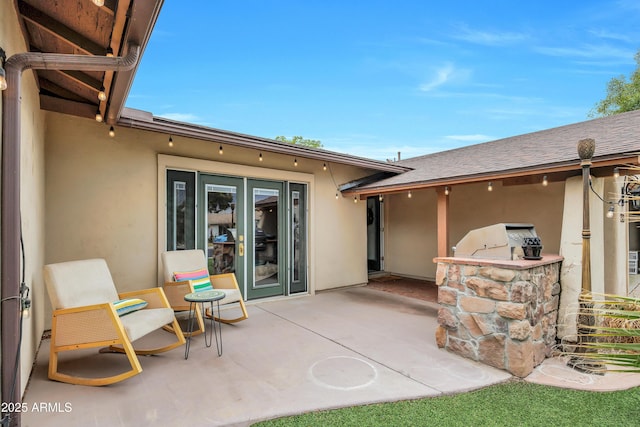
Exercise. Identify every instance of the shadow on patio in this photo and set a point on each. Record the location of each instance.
(338, 348)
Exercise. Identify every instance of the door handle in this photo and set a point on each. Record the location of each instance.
(241, 249)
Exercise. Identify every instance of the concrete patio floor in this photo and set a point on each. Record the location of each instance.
(341, 348)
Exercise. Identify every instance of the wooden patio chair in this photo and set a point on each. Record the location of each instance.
(187, 271)
(88, 312)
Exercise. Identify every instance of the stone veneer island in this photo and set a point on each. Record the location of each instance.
(501, 313)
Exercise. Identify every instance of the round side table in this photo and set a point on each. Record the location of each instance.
(202, 298)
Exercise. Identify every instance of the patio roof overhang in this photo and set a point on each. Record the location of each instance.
(81, 28)
(602, 166)
(142, 120)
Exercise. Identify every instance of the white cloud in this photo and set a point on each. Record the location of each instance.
(443, 75)
(606, 34)
(488, 38)
(602, 51)
(629, 5)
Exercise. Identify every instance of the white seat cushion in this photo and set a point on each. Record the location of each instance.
(230, 295)
(140, 323)
(79, 283)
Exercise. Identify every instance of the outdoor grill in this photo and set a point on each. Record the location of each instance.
(502, 241)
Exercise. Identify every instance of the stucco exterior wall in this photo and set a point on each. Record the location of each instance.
(472, 206)
(104, 200)
(411, 223)
(410, 234)
(32, 128)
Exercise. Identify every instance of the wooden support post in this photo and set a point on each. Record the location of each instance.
(443, 223)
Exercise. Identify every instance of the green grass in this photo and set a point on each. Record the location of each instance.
(515, 403)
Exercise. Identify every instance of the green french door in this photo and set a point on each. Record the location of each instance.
(181, 210)
(297, 238)
(266, 239)
(254, 228)
(221, 224)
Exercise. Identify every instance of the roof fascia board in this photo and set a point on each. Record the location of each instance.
(603, 162)
(145, 121)
(142, 18)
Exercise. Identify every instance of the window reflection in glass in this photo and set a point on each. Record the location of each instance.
(295, 235)
(179, 214)
(265, 218)
(221, 228)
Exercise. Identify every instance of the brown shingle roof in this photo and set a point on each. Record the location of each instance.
(616, 137)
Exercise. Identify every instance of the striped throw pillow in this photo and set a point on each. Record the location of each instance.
(129, 305)
(199, 279)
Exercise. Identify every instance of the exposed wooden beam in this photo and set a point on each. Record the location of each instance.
(119, 25)
(57, 90)
(110, 6)
(117, 32)
(443, 222)
(82, 78)
(58, 30)
(65, 106)
(138, 20)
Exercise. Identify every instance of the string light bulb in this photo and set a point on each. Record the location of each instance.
(220, 150)
(26, 308)
(409, 194)
(324, 166)
(336, 195)
(102, 95)
(295, 162)
(98, 3)
(610, 212)
(545, 181)
(109, 52)
(98, 116)
(616, 172)
(112, 132)
(380, 197)
(260, 157)
(25, 301)
(446, 191)
(355, 199)
(170, 141)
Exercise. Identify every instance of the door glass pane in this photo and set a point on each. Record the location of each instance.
(221, 228)
(297, 238)
(179, 215)
(181, 210)
(265, 244)
(296, 258)
(373, 233)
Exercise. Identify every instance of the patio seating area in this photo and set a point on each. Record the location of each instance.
(338, 348)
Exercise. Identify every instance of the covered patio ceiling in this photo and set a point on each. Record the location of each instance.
(80, 27)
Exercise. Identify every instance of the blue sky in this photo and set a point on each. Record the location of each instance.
(372, 78)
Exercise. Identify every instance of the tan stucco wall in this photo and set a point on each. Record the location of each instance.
(102, 200)
(32, 130)
(616, 242)
(410, 233)
(411, 223)
(535, 204)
